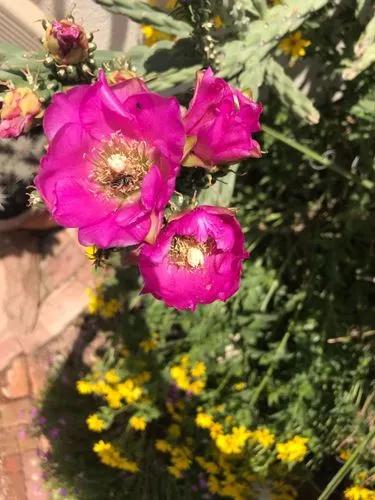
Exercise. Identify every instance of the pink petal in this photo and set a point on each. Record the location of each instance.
(77, 206)
(64, 108)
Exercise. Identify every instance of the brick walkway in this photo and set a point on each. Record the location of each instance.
(42, 293)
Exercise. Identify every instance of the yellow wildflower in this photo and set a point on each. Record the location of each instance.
(198, 369)
(90, 252)
(240, 386)
(204, 420)
(197, 387)
(344, 454)
(181, 457)
(84, 387)
(359, 493)
(130, 391)
(163, 446)
(174, 471)
(98, 305)
(209, 467)
(234, 442)
(293, 450)
(294, 45)
(95, 423)
(277, 2)
(179, 375)
(138, 423)
(109, 455)
(148, 345)
(95, 300)
(152, 35)
(263, 436)
(113, 399)
(215, 430)
(101, 388)
(112, 377)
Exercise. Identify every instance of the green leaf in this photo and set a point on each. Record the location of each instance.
(145, 14)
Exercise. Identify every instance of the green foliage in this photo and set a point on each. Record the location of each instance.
(18, 163)
(142, 13)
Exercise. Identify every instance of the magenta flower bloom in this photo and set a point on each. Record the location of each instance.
(113, 158)
(196, 259)
(221, 120)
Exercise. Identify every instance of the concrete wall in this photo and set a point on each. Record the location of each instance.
(19, 22)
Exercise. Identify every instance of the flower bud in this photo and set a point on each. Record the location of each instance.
(120, 75)
(66, 42)
(19, 108)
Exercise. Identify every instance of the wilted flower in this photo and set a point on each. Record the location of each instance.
(66, 42)
(20, 107)
(196, 259)
(219, 123)
(113, 158)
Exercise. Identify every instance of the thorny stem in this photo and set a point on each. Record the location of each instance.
(365, 183)
(340, 476)
(201, 14)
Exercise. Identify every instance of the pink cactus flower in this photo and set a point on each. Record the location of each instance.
(66, 42)
(19, 109)
(219, 123)
(113, 158)
(196, 259)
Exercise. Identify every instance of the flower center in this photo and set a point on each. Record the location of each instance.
(186, 251)
(120, 165)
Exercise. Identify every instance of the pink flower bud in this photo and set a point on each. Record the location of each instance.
(220, 122)
(66, 42)
(19, 108)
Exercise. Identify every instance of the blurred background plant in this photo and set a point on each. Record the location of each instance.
(282, 376)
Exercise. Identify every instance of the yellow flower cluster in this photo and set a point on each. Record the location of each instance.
(138, 423)
(234, 442)
(294, 45)
(189, 378)
(95, 423)
(98, 305)
(115, 390)
(359, 493)
(180, 456)
(109, 455)
(293, 450)
(263, 436)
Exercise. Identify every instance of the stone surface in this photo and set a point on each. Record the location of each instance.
(19, 278)
(15, 383)
(42, 294)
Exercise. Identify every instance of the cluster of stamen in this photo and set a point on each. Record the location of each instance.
(186, 251)
(120, 165)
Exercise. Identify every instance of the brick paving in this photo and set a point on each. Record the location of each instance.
(42, 294)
